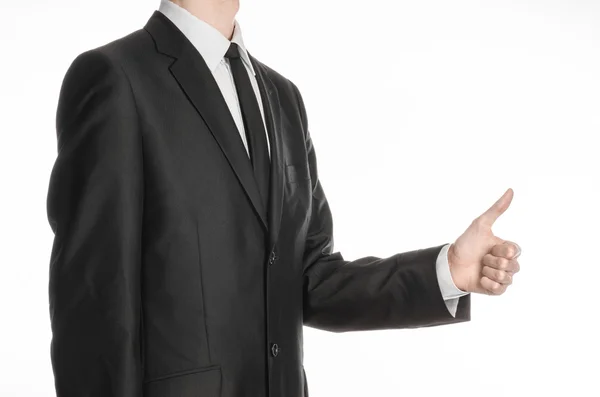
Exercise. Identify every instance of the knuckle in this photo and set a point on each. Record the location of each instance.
(502, 263)
(500, 276)
(478, 221)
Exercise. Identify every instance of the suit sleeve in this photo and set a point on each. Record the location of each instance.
(94, 205)
(370, 293)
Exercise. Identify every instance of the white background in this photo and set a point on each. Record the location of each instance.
(422, 114)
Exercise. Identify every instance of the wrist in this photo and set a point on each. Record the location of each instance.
(452, 260)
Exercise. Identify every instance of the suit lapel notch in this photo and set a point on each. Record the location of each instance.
(196, 80)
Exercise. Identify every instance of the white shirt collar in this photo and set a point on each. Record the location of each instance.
(209, 42)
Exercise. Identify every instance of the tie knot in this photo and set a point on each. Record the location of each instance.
(233, 51)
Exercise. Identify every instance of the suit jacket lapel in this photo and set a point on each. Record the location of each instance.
(198, 83)
(272, 109)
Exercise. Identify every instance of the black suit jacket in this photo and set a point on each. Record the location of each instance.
(168, 277)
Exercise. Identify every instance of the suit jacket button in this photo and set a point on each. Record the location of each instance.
(272, 258)
(275, 349)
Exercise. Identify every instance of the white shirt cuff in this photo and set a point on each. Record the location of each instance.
(450, 292)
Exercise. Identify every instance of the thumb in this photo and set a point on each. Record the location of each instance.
(498, 208)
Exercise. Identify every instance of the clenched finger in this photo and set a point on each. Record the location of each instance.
(492, 287)
(508, 250)
(499, 276)
(501, 263)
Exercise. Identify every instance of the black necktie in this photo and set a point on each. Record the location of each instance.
(253, 122)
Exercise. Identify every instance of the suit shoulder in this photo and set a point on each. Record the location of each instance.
(126, 47)
(117, 52)
(95, 73)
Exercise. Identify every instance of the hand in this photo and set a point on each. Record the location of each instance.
(481, 262)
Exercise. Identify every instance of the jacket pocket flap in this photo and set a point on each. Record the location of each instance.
(205, 382)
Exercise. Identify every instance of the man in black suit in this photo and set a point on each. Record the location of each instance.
(193, 238)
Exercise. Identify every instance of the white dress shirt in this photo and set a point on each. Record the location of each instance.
(212, 45)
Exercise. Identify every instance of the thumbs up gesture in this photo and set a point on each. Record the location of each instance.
(481, 262)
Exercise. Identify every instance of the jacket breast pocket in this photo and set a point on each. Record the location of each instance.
(298, 192)
(298, 172)
(205, 382)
